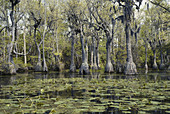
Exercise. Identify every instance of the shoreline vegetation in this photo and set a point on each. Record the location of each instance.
(117, 36)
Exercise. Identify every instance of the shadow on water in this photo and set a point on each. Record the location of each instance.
(90, 94)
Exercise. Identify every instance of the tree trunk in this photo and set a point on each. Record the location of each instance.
(109, 66)
(155, 66)
(72, 66)
(162, 65)
(146, 65)
(38, 66)
(130, 67)
(4, 55)
(56, 42)
(45, 68)
(25, 57)
(11, 67)
(92, 54)
(84, 69)
(94, 67)
(97, 54)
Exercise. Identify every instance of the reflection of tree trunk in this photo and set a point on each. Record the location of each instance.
(72, 66)
(109, 66)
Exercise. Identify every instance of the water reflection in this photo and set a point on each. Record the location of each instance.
(110, 91)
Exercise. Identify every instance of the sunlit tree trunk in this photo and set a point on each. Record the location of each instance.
(130, 67)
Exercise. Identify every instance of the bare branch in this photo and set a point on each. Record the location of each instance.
(158, 4)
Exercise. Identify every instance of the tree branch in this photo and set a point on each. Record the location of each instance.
(158, 4)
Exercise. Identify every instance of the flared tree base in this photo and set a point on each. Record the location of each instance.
(130, 68)
(45, 69)
(162, 66)
(38, 67)
(109, 68)
(8, 69)
(155, 66)
(84, 69)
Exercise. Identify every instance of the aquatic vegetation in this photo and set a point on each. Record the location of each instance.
(82, 94)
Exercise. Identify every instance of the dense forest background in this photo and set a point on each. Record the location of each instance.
(115, 35)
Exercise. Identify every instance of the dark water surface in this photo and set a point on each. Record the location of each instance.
(89, 94)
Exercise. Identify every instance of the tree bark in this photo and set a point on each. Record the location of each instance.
(109, 66)
(92, 54)
(97, 55)
(57, 42)
(25, 57)
(155, 66)
(38, 66)
(72, 66)
(45, 68)
(130, 67)
(162, 65)
(4, 55)
(11, 67)
(146, 65)
(84, 69)
(94, 67)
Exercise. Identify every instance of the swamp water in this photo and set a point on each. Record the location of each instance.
(89, 94)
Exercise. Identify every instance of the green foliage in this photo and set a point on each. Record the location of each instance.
(62, 15)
